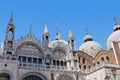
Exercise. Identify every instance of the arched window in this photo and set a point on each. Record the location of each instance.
(80, 66)
(102, 59)
(79, 59)
(29, 60)
(84, 60)
(61, 63)
(54, 62)
(23, 59)
(65, 63)
(58, 63)
(39, 60)
(107, 58)
(35, 60)
(52, 76)
(84, 67)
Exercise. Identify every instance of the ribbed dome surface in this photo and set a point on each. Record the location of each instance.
(115, 36)
(90, 47)
(62, 43)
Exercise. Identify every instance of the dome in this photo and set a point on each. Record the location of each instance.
(60, 43)
(116, 27)
(88, 38)
(89, 46)
(115, 36)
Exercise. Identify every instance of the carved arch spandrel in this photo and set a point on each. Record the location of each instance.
(29, 42)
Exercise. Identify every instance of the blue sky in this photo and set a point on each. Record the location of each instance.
(96, 15)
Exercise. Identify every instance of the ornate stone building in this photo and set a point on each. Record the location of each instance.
(30, 59)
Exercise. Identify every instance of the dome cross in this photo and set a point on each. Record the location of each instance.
(115, 20)
(86, 30)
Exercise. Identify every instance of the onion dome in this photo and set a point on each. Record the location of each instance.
(89, 46)
(88, 38)
(115, 36)
(61, 44)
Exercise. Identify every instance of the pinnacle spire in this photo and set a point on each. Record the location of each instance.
(70, 35)
(11, 21)
(46, 29)
(46, 36)
(71, 39)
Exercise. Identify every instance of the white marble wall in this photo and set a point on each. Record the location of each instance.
(9, 67)
(102, 72)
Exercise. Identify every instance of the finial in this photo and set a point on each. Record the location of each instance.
(45, 29)
(86, 30)
(58, 36)
(87, 37)
(30, 29)
(11, 19)
(57, 28)
(115, 20)
(70, 35)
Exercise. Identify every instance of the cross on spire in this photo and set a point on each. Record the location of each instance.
(30, 29)
(58, 36)
(115, 20)
(86, 30)
(57, 28)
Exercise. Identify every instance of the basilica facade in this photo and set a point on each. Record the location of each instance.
(31, 59)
